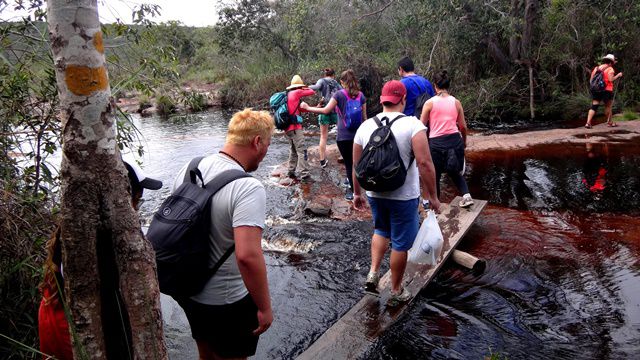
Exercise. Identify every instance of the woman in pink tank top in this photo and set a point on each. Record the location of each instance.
(444, 117)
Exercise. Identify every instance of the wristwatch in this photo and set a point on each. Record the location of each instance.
(425, 204)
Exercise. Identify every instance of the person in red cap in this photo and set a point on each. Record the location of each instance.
(395, 215)
(606, 96)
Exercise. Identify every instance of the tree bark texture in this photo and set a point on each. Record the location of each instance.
(109, 268)
(515, 39)
(530, 16)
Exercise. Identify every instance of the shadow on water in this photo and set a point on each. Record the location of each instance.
(560, 239)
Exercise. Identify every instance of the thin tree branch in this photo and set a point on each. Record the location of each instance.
(433, 48)
(377, 11)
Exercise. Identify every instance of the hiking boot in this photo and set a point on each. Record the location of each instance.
(466, 201)
(371, 284)
(323, 163)
(398, 298)
(348, 195)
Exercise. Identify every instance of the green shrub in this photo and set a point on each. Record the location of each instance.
(25, 224)
(165, 105)
(630, 115)
(193, 100)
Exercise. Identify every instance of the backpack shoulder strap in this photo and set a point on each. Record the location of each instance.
(378, 121)
(396, 118)
(223, 179)
(213, 187)
(193, 171)
(417, 85)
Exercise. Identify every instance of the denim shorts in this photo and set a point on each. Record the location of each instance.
(397, 220)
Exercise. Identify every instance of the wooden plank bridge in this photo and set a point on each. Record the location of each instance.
(356, 331)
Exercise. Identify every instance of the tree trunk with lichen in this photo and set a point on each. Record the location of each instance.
(109, 267)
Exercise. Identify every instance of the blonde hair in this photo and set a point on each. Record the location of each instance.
(247, 124)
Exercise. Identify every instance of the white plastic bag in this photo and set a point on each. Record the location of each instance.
(427, 247)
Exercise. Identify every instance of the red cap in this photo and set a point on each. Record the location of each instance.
(392, 92)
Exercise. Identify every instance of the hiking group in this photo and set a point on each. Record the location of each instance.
(207, 233)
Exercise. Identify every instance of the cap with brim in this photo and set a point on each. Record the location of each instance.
(296, 82)
(136, 173)
(393, 92)
(610, 57)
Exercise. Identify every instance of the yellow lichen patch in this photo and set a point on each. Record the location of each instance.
(97, 42)
(83, 80)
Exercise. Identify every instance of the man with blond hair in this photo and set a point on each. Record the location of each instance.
(234, 308)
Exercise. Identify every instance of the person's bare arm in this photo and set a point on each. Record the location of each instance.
(328, 109)
(358, 200)
(426, 111)
(364, 112)
(254, 272)
(462, 124)
(420, 146)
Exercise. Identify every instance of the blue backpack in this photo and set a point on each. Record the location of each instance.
(280, 110)
(352, 117)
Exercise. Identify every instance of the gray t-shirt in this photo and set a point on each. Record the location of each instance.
(404, 129)
(240, 203)
(326, 85)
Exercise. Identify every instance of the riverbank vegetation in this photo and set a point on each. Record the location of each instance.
(510, 60)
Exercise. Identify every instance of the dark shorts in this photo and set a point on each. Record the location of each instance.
(396, 220)
(447, 153)
(226, 328)
(605, 96)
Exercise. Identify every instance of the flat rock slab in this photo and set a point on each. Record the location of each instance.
(625, 131)
(357, 331)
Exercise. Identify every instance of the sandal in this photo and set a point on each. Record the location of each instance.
(612, 124)
(588, 126)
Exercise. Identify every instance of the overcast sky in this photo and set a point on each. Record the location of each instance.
(189, 12)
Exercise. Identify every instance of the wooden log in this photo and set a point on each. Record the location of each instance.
(469, 261)
(358, 330)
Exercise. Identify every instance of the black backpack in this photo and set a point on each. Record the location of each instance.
(333, 87)
(179, 233)
(597, 84)
(420, 100)
(380, 167)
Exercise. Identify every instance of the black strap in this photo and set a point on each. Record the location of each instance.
(297, 107)
(224, 258)
(193, 171)
(389, 123)
(213, 187)
(418, 86)
(379, 122)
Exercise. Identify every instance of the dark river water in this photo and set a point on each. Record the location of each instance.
(561, 237)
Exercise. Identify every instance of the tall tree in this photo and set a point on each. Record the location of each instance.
(109, 267)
